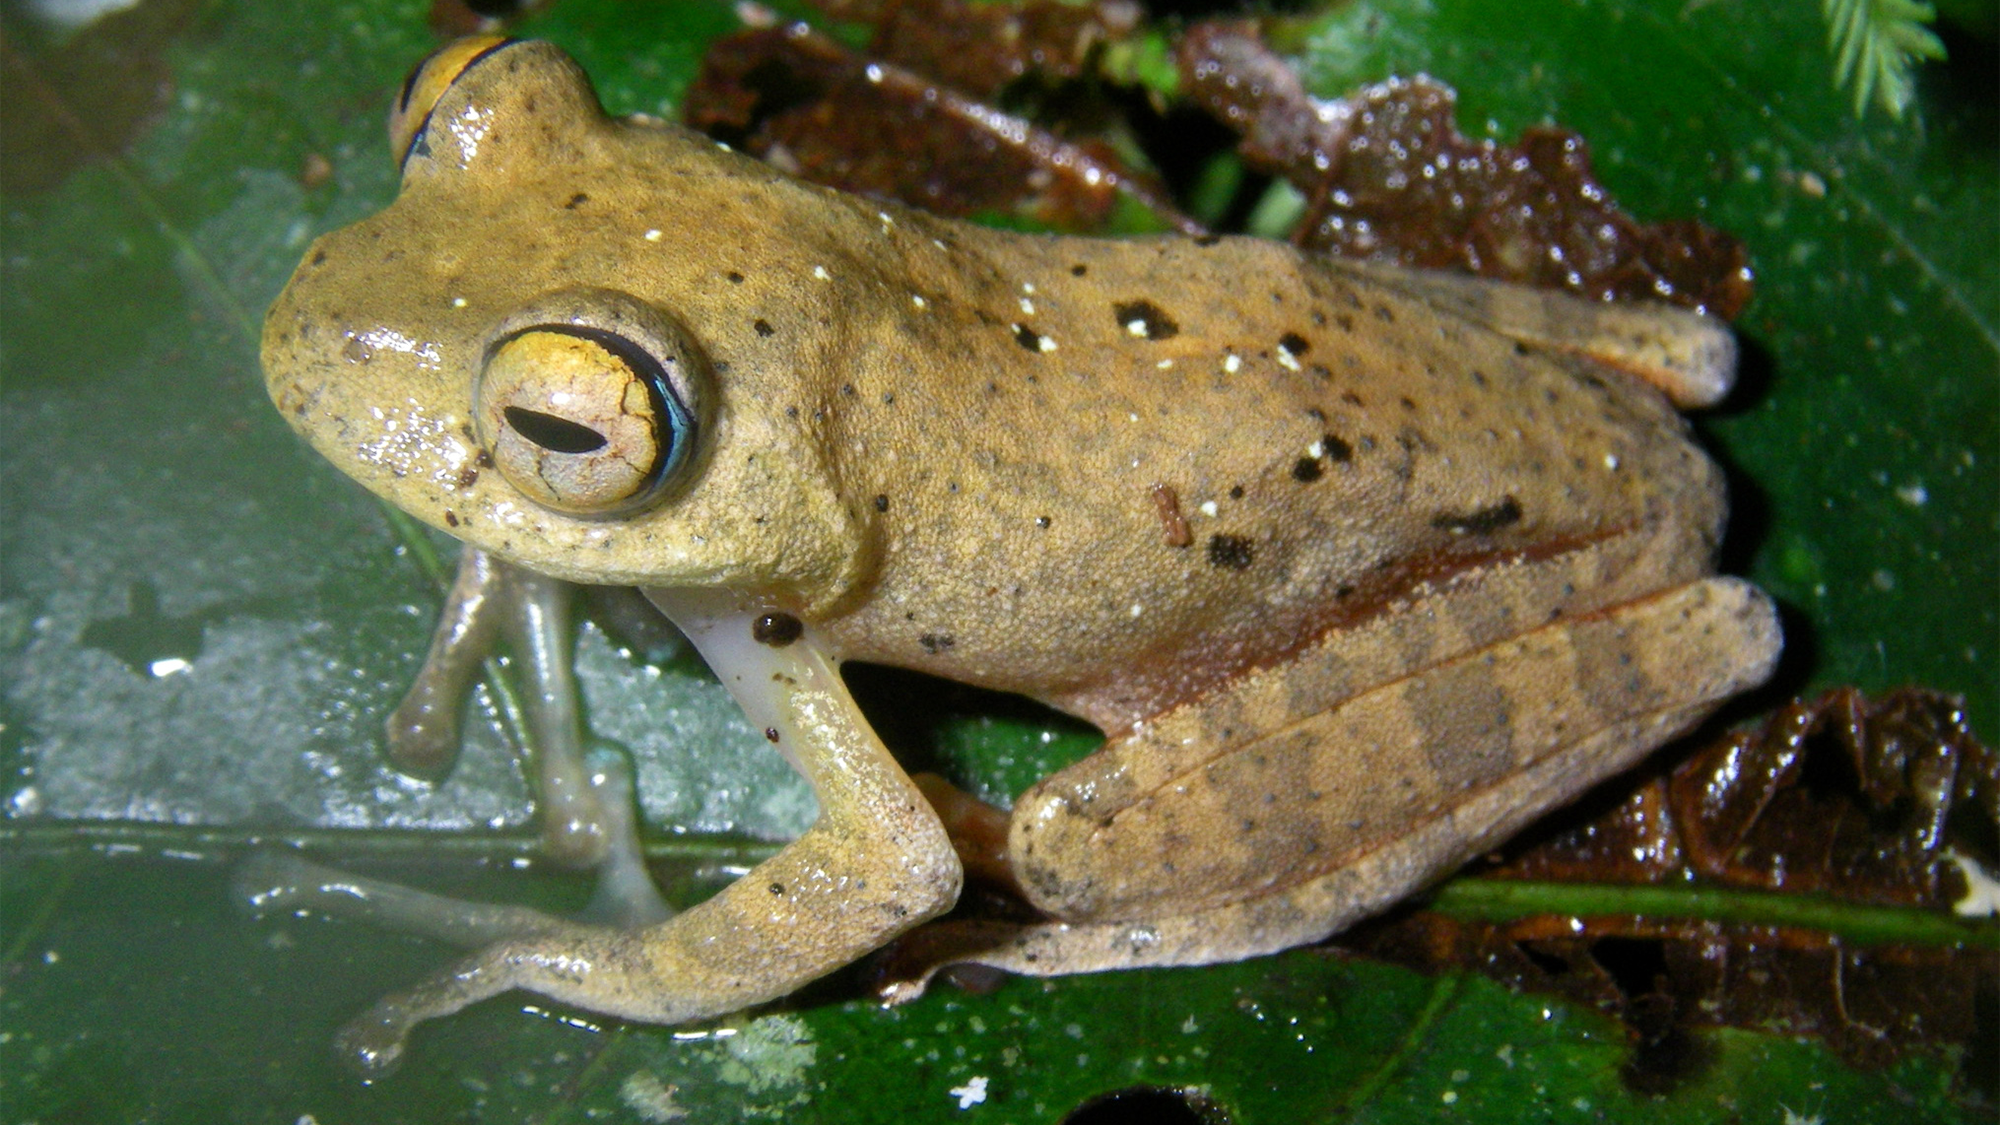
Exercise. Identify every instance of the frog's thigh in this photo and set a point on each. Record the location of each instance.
(1060, 818)
(1340, 812)
(1689, 357)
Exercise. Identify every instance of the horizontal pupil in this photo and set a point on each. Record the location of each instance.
(557, 435)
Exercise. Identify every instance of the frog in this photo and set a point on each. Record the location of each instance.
(1359, 569)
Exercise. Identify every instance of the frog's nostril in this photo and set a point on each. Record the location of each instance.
(557, 435)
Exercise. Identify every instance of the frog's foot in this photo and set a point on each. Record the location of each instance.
(625, 898)
(559, 962)
(491, 600)
(1690, 357)
(1585, 698)
(284, 882)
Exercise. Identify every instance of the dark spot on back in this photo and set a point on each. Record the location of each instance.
(735, 278)
(1207, 239)
(1079, 269)
(1294, 343)
(1153, 322)
(1236, 492)
(1336, 449)
(577, 200)
(1485, 521)
(1384, 314)
(763, 327)
(1231, 552)
(1306, 470)
(881, 501)
(935, 643)
(1027, 338)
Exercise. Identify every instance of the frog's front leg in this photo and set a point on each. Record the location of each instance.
(284, 881)
(491, 599)
(876, 863)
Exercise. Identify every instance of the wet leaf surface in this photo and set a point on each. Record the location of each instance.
(201, 625)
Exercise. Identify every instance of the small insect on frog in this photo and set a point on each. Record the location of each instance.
(1359, 569)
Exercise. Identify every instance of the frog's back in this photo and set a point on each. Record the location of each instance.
(1219, 439)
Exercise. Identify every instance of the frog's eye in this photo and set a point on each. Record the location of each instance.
(428, 82)
(591, 414)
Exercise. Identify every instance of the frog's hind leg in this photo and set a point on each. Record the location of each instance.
(1690, 357)
(1579, 701)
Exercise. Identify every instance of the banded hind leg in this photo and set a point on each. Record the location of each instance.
(1296, 834)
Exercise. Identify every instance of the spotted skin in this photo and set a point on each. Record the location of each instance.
(1359, 569)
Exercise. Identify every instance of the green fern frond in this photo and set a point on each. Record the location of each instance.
(1876, 44)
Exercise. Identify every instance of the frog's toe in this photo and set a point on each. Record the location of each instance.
(372, 1044)
(626, 895)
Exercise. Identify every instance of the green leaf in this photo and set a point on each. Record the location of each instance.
(1877, 44)
(201, 624)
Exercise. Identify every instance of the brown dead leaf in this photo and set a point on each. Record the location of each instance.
(1387, 176)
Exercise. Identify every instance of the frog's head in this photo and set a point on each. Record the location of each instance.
(523, 348)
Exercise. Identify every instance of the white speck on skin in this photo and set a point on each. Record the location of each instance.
(1137, 609)
(653, 235)
(874, 73)
(1047, 344)
(468, 129)
(972, 1093)
(1028, 287)
(1449, 1097)
(886, 220)
(1316, 450)
(168, 666)
(1611, 462)
(1027, 307)
(1232, 363)
(1164, 364)
(1884, 580)
(1915, 495)
(458, 302)
(820, 273)
(917, 300)
(1792, 1117)
(1208, 507)
(1136, 327)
